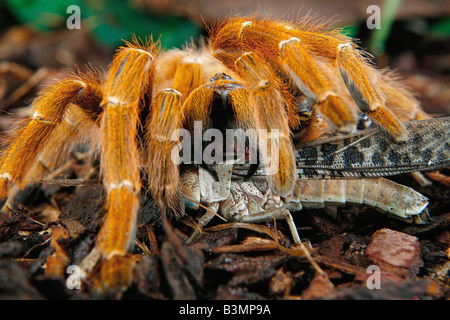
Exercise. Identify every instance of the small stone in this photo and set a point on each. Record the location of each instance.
(395, 252)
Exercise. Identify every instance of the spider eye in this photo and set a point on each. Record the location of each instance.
(304, 107)
(363, 121)
(220, 76)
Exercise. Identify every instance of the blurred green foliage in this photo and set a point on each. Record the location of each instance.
(350, 30)
(110, 21)
(380, 36)
(437, 28)
(440, 29)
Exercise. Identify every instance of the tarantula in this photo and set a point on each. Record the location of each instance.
(253, 73)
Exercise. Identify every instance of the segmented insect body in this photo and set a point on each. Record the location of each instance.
(252, 201)
(333, 176)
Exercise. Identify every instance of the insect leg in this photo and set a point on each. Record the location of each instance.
(211, 212)
(269, 215)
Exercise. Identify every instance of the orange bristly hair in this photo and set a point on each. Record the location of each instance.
(129, 82)
(294, 52)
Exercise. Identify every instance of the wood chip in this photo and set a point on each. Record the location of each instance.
(395, 252)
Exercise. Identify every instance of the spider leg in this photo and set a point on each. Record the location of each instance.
(308, 76)
(268, 103)
(197, 106)
(361, 79)
(57, 155)
(166, 117)
(128, 84)
(188, 76)
(299, 52)
(35, 133)
(400, 99)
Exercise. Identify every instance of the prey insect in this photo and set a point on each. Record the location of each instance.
(347, 169)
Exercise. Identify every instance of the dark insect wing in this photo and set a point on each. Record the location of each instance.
(372, 153)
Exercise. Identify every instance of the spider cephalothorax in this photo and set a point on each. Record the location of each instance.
(266, 73)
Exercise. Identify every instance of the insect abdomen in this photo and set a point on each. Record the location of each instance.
(380, 193)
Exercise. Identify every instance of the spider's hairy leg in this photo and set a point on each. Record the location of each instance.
(269, 105)
(400, 99)
(289, 58)
(128, 84)
(197, 106)
(317, 44)
(35, 133)
(165, 118)
(188, 76)
(362, 81)
(308, 76)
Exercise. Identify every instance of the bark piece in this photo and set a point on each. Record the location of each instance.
(395, 252)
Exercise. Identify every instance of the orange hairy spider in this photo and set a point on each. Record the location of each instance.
(267, 73)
